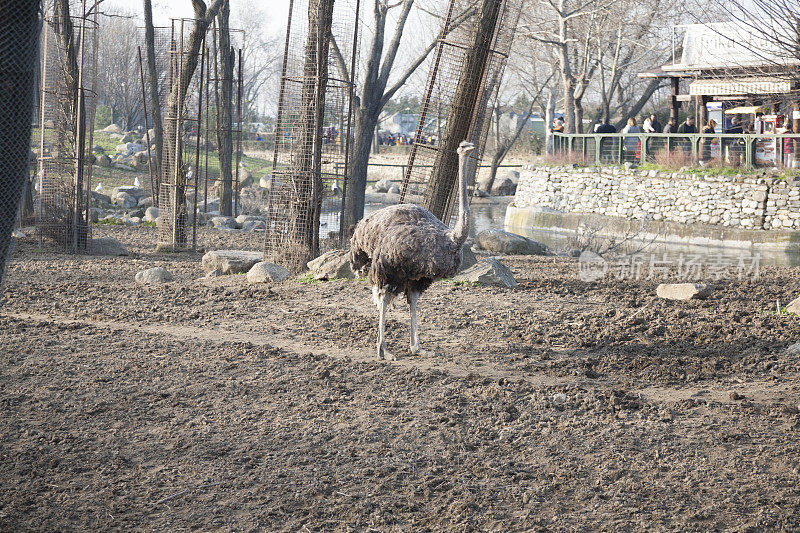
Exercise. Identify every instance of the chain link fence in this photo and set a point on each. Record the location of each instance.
(20, 27)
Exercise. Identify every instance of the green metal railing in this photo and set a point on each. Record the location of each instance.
(748, 150)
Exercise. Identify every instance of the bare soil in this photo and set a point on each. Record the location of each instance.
(218, 405)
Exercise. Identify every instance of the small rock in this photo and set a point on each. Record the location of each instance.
(112, 128)
(221, 222)
(468, 258)
(794, 306)
(254, 225)
(263, 272)
(153, 276)
(108, 246)
(242, 219)
(503, 187)
(214, 274)
(137, 213)
(383, 185)
(394, 189)
(18, 234)
(488, 272)
(684, 291)
(332, 265)
(503, 242)
(794, 349)
(231, 261)
(559, 398)
(151, 214)
(736, 396)
(125, 200)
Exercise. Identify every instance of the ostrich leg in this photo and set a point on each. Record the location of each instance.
(384, 300)
(415, 349)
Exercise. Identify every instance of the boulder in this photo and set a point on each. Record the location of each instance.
(137, 213)
(153, 276)
(151, 133)
(245, 177)
(488, 272)
(112, 128)
(503, 242)
(383, 185)
(468, 258)
(254, 225)
(264, 272)
(129, 148)
(212, 205)
(223, 222)
(394, 189)
(108, 246)
(104, 161)
(512, 175)
(100, 198)
(125, 200)
(503, 187)
(98, 149)
(146, 202)
(128, 137)
(136, 192)
(18, 234)
(684, 291)
(332, 265)
(95, 214)
(151, 214)
(794, 306)
(242, 219)
(231, 261)
(793, 349)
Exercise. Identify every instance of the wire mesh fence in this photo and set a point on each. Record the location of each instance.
(177, 196)
(67, 107)
(20, 27)
(466, 71)
(312, 139)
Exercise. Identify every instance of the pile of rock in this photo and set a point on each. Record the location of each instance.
(384, 186)
(504, 184)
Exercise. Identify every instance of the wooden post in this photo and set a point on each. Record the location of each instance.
(702, 112)
(673, 99)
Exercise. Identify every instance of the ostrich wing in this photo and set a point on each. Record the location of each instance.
(409, 253)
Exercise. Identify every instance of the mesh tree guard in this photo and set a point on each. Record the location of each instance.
(19, 39)
(68, 102)
(312, 139)
(466, 71)
(179, 177)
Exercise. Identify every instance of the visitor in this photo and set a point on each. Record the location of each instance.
(558, 125)
(687, 126)
(788, 148)
(631, 143)
(705, 143)
(605, 127)
(736, 127)
(671, 126)
(655, 124)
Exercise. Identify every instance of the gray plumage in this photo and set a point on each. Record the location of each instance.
(405, 248)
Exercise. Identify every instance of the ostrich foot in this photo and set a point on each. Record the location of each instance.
(416, 350)
(383, 354)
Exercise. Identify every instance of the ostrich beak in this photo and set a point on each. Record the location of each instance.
(465, 148)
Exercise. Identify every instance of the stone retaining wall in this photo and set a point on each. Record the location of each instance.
(726, 201)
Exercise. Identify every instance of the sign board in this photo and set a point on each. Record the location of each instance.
(795, 115)
(734, 44)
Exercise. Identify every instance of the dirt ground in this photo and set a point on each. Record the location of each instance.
(561, 405)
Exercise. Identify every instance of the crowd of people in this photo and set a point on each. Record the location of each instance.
(632, 146)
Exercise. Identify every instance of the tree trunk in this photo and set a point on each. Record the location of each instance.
(365, 124)
(578, 115)
(155, 102)
(306, 168)
(549, 114)
(224, 100)
(459, 120)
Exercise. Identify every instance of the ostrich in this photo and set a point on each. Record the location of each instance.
(405, 248)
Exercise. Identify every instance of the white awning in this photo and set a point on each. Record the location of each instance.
(739, 87)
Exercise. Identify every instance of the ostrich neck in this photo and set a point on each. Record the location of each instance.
(461, 231)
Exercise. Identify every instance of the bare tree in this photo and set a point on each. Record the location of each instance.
(153, 88)
(226, 57)
(375, 93)
(117, 80)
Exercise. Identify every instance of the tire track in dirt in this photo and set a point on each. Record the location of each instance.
(757, 391)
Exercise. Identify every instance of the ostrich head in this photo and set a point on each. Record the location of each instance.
(465, 148)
